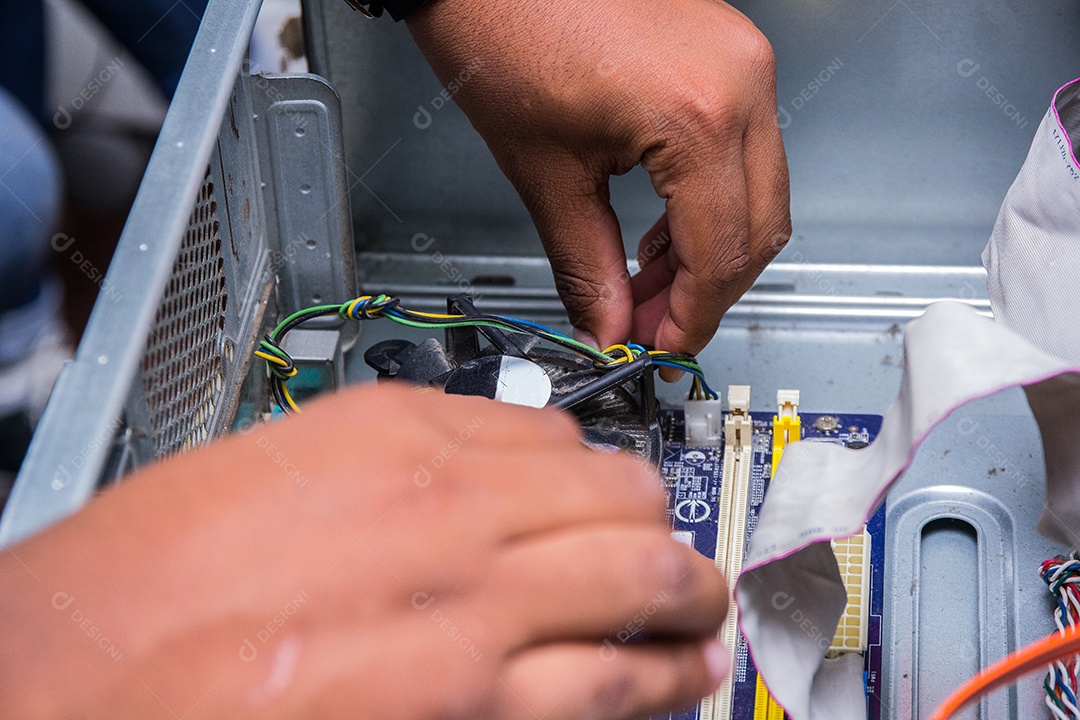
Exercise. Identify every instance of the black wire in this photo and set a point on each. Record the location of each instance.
(279, 397)
(300, 320)
(502, 322)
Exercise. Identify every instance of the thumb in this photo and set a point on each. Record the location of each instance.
(582, 239)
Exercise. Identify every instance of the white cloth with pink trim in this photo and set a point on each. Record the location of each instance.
(790, 593)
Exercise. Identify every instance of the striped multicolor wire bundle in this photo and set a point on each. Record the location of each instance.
(1060, 650)
(370, 307)
(1062, 576)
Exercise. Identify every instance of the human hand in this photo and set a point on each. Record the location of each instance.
(568, 93)
(385, 554)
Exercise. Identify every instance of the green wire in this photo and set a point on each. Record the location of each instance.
(485, 322)
(410, 319)
(1053, 695)
(317, 310)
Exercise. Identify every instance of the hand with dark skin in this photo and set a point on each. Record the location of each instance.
(569, 93)
(388, 554)
(397, 555)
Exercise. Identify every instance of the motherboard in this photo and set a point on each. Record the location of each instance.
(707, 516)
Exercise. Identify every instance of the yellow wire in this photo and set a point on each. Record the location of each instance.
(271, 358)
(288, 397)
(624, 350)
(438, 316)
(275, 359)
(354, 303)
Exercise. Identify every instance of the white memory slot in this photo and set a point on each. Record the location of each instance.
(731, 530)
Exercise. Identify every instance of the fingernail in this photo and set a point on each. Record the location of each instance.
(670, 374)
(587, 338)
(717, 661)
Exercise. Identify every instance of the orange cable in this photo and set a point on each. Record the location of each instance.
(1009, 669)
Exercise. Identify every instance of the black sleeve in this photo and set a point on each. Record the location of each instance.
(397, 9)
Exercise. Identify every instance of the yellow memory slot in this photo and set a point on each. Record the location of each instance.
(765, 705)
(761, 700)
(787, 428)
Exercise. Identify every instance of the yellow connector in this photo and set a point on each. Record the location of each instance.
(765, 705)
(853, 558)
(787, 428)
(761, 700)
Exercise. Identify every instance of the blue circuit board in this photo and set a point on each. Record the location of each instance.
(692, 476)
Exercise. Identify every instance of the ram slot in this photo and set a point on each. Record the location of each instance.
(731, 530)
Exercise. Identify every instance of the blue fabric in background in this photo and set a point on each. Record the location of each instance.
(30, 199)
(159, 33)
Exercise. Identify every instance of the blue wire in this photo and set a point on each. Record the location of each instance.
(538, 326)
(634, 346)
(704, 384)
(1065, 686)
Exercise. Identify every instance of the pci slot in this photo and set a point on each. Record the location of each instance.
(731, 529)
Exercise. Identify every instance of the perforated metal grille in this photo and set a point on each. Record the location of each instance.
(183, 368)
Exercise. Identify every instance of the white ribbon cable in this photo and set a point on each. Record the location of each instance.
(952, 356)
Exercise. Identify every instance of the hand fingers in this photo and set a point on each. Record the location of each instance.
(548, 491)
(581, 236)
(608, 680)
(653, 244)
(617, 581)
(728, 216)
(769, 230)
(708, 217)
(652, 290)
(768, 192)
(440, 417)
(705, 187)
(651, 286)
